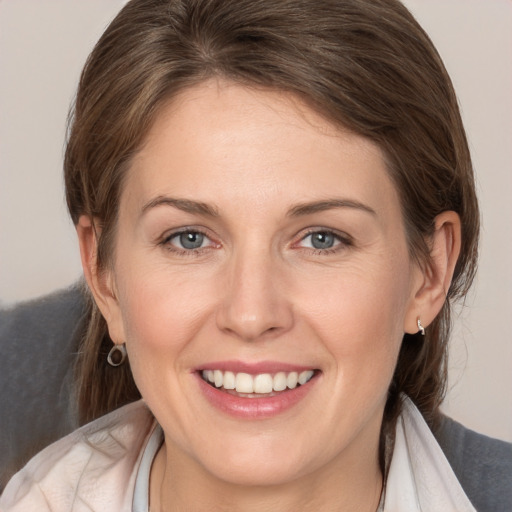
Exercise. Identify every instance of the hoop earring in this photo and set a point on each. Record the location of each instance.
(117, 355)
(421, 329)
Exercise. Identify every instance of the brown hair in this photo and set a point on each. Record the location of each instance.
(364, 64)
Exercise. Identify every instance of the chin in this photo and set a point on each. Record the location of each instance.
(260, 463)
(257, 473)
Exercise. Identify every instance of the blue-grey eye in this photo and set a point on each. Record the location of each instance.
(191, 240)
(323, 240)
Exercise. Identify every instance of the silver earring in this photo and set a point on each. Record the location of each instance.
(117, 355)
(421, 329)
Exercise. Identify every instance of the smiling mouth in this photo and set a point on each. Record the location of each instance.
(262, 385)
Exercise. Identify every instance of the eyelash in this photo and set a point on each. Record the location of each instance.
(166, 242)
(343, 242)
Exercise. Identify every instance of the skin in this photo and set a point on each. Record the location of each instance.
(257, 290)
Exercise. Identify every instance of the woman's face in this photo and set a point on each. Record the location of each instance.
(257, 244)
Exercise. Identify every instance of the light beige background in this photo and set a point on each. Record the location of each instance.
(43, 45)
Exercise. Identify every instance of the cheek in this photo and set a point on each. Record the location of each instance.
(366, 301)
(162, 311)
(360, 318)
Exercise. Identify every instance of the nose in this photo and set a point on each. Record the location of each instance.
(255, 304)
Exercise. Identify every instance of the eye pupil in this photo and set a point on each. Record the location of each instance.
(322, 240)
(191, 240)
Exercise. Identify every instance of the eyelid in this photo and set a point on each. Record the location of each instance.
(179, 231)
(165, 240)
(343, 239)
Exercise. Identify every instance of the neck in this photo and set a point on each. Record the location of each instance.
(178, 484)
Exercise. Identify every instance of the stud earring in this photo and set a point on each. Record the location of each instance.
(421, 329)
(117, 355)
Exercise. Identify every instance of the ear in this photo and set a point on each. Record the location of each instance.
(434, 281)
(100, 281)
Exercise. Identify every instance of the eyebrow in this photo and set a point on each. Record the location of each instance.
(328, 204)
(186, 205)
(198, 207)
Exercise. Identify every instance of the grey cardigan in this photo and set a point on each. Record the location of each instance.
(38, 345)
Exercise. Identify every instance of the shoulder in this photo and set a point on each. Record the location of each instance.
(39, 340)
(39, 330)
(483, 465)
(94, 465)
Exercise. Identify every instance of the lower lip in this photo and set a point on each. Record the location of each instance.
(255, 408)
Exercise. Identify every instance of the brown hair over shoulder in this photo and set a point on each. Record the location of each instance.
(365, 65)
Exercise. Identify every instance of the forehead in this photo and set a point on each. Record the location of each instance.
(222, 140)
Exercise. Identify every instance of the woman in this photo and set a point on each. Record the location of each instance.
(275, 208)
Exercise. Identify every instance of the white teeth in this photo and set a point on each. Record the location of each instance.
(263, 383)
(244, 383)
(218, 378)
(305, 376)
(292, 380)
(260, 384)
(279, 381)
(229, 380)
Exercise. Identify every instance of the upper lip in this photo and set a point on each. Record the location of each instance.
(254, 368)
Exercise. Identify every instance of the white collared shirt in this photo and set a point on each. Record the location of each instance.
(105, 465)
